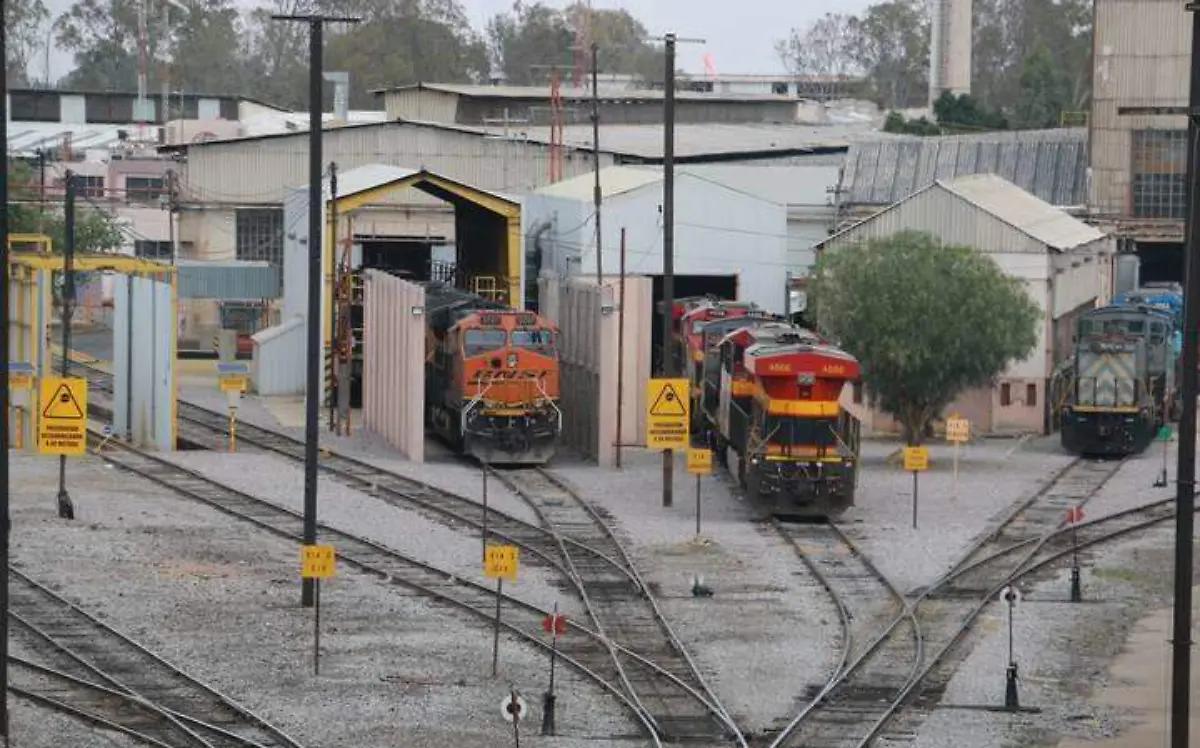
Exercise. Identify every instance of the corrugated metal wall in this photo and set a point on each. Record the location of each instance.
(144, 328)
(227, 280)
(587, 317)
(259, 171)
(29, 313)
(276, 366)
(394, 362)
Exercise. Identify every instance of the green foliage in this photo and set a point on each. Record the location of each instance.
(533, 37)
(896, 123)
(23, 21)
(965, 113)
(928, 321)
(891, 43)
(1045, 90)
(95, 230)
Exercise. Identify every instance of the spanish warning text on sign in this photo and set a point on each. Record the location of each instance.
(916, 459)
(958, 429)
(500, 562)
(667, 414)
(62, 428)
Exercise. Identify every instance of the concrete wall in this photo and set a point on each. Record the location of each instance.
(394, 362)
(589, 322)
(144, 343)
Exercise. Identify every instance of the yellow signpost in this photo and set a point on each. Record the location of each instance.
(317, 562)
(62, 429)
(958, 431)
(235, 383)
(668, 408)
(916, 460)
(699, 462)
(500, 562)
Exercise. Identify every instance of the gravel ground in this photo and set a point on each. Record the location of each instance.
(992, 476)
(1063, 649)
(202, 589)
(33, 726)
(441, 469)
(281, 481)
(767, 632)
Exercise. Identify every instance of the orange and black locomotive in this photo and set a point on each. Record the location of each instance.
(491, 378)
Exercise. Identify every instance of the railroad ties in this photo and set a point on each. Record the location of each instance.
(673, 693)
(90, 668)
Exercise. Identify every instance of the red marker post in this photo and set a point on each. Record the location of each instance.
(1074, 517)
(555, 625)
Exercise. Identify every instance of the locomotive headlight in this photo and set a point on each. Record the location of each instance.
(512, 360)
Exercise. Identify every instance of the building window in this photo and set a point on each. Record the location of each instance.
(152, 250)
(106, 109)
(87, 187)
(1158, 173)
(1005, 395)
(779, 88)
(35, 106)
(260, 235)
(1031, 395)
(858, 393)
(144, 189)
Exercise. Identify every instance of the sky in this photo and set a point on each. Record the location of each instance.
(739, 34)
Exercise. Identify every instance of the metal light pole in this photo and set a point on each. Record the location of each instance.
(1185, 501)
(597, 195)
(66, 509)
(316, 28)
(668, 211)
(4, 404)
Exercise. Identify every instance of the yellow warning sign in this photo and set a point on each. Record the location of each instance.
(699, 461)
(958, 429)
(667, 412)
(500, 562)
(233, 383)
(916, 459)
(62, 429)
(317, 561)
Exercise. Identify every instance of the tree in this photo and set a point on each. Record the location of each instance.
(533, 37)
(23, 21)
(892, 46)
(965, 113)
(206, 48)
(928, 321)
(1045, 91)
(825, 52)
(95, 229)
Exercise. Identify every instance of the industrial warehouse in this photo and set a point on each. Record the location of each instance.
(540, 383)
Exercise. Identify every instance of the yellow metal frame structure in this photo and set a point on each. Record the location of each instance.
(29, 277)
(506, 209)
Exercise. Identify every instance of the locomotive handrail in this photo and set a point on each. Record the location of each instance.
(473, 404)
(557, 412)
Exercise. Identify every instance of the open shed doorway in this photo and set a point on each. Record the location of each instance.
(1161, 262)
(720, 286)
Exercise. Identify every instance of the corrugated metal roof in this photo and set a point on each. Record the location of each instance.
(25, 138)
(229, 280)
(806, 186)
(692, 140)
(275, 123)
(370, 176)
(1050, 164)
(582, 92)
(1025, 212)
(614, 180)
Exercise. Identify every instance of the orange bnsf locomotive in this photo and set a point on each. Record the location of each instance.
(491, 378)
(778, 417)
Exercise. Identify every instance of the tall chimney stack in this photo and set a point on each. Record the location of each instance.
(949, 48)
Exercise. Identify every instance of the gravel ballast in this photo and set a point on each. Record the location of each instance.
(221, 598)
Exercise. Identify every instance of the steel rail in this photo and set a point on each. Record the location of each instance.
(981, 603)
(116, 705)
(541, 505)
(845, 668)
(145, 662)
(354, 551)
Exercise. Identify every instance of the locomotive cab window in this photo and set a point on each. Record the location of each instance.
(477, 342)
(800, 432)
(541, 341)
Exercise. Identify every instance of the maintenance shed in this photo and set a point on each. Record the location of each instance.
(727, 242)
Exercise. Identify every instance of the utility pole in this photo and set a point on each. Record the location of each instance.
(312, 400)
(668, 271)
(66, 510)
(1185, 498)
(597, 196)
(4, 403)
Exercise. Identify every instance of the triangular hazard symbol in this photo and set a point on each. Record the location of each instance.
(667, 403)
(63, 405)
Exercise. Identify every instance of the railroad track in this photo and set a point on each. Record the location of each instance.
(866, 602)
(944, 620)
(589, 652)
(623, 608)
(89, 657)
